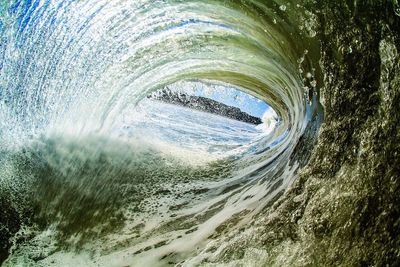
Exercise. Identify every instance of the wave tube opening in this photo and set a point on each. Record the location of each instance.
(201, 116)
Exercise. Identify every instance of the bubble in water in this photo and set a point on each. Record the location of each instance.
(310, 24)
(313, 83)
(282, 7)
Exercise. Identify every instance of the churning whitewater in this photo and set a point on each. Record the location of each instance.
(94, 173)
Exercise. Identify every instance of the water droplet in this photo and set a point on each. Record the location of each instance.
(312, 33)
(282, 7)
(313, 83)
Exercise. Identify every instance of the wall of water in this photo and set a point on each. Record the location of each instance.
(75, 191)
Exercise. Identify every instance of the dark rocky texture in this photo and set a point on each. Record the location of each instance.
(204, 104)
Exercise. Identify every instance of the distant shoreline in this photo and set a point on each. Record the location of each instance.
(204, 104)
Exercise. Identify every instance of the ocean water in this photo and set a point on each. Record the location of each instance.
(163, 181)
(93, 173)
(189, 129)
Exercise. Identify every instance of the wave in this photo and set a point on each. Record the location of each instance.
(80, 186)
(72, 70)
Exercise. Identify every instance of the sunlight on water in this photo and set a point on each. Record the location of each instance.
(101, 174)
(199, 127)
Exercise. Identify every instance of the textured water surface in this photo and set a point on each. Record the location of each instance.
(93, 173)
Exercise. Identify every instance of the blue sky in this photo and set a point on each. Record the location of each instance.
(234, 97)
(245, 102)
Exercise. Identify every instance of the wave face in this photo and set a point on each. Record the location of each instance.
(86, 179)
